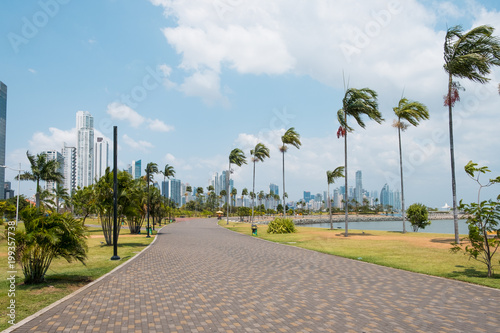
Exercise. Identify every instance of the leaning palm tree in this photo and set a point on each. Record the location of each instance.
(259, 153)
(238, 158)
(330, 177)
(413, 113)
(41, 169)
(356, 103)
(60, 193)
(469, 55)
(291, 137)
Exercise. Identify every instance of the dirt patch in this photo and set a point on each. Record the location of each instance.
(102, 236)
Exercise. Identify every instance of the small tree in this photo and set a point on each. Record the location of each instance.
(418, 216)
(484, 217)
(45, 238)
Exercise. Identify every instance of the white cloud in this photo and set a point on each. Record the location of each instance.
(159, 126)
(140, 145)
(123, 112)
(204, 84)
(32, 71)
(54, 140)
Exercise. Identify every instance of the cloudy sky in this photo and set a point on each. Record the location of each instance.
(188, 81)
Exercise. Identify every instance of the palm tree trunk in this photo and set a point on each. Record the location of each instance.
(284, 205)
(37, 195)
(330, 206)
(402, 189)
(452, 155)
(253, 189)
(227, 192)
(346, 190)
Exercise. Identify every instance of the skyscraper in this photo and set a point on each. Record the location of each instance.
(385, 196)
(136, 169)
(85, 149)
(175, 191)
(3, 129)
(359, 187)
(274, 188)
(69, 169)
(101, 157)
(54, 155)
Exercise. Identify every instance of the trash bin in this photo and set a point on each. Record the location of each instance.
(254, 229)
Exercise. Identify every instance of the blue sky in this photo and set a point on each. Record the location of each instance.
(188, 81)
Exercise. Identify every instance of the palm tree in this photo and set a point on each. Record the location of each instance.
(189, 189)
(235, 157)
(244, 193)
(234, 192)
(199, 192)
(259, 153)
(151, 169)
(470, 56)
(356, 103)
(60, 193)
(41, 169)
(223, 194)
(168, 172)
(330, 177)
(291, 137)
(413, 113)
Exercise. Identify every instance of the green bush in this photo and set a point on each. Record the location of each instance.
(281, 226)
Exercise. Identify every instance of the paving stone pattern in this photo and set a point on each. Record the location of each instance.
(198, 277)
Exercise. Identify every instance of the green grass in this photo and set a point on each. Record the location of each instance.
(62, 277)
(417, 252)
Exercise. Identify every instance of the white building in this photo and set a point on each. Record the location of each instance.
(54, 155)
(69, 169)
(101, 150)
(84, 149)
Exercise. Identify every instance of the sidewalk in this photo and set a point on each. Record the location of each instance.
(199, 277)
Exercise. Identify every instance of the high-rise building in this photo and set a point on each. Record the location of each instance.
(69, 168)
(135, 171)
(101, 160)
(8, 191)
(175, 191)
(307, 196)
(274, 188)
(359, 187)
(54, 155)
(3, 130)
(85, 149)
(385, 196)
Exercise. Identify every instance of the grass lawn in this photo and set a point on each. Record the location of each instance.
(62, 277)
(417, 252)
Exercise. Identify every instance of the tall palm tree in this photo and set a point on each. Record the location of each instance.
(238, 158)
(330, 177)
(151, 169)
(291, 137)
(259, 153)
(223, 194)
(469, 55)
(356, 103)
(413, 113)
(168, 172)
(189, 189)
(244, 193)
(41, 169)
(234, 192)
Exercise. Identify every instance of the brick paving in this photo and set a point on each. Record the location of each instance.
(198, 277)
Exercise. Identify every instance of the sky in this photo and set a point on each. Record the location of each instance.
(185, 82)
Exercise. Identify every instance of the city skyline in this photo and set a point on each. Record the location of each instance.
(186, 89)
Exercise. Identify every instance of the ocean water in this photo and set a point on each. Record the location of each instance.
(437, 226)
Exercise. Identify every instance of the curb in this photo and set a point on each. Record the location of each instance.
(76, 292)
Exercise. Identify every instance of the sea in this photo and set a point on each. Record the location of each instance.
(436, 226)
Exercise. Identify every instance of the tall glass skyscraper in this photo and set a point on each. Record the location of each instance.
(359, 187)
(3, 124)
(85, 149)
(69, 156)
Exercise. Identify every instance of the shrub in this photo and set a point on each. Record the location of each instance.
(281, 226)
(418, 216)
(45, 238)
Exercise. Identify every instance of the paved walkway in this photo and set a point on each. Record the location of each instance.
(198, 277)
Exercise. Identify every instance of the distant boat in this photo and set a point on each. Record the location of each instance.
(446, 207)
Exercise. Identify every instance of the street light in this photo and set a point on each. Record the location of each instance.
(18, 187)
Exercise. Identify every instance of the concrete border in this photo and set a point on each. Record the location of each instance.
(76, 292)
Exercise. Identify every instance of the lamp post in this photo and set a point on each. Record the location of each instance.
(18, 187)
